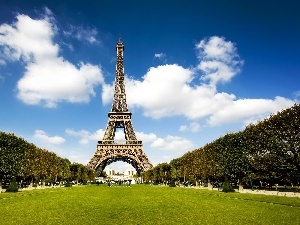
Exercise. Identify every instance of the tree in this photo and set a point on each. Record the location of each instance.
(75, 172)
(84, 174)
(209, 168)
(274, 145)
(156, 174)
(230, 156)
(147, 176)
(165, 172)
(92, 174)
(285, 127)
(12, 151)
(175, 170)
(29, 169)
(65, 172)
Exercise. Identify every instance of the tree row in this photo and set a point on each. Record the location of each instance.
(28, 163)
(267, 152)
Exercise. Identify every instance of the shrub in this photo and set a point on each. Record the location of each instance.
(172, 183)
(227, 187)
(13, 187)
(68, 184)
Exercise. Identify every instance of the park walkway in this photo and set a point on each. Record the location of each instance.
(262, 192)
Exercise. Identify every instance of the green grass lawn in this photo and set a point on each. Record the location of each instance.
(144, 204)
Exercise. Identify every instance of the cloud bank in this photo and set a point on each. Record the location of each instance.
(48, 78)
(164, 91)
(172, 90)
(44, 137)
(169, 143)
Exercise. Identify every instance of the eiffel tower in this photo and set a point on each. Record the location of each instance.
(119, 117)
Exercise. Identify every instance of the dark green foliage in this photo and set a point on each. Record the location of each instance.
(274, 147)
(226, 186)
(68, 184)
(228, 189)
(21, 159)
(12, 152)
(80, 173)
(268, 151)
(13, 187)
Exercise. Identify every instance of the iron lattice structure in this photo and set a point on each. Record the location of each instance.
(107, 150)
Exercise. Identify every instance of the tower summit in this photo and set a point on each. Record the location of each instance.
(119, 102)
(119, 117)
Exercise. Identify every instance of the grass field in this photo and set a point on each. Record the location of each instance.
(144, 204)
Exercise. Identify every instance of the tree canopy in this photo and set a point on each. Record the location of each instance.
(268, 151)
(24, 160)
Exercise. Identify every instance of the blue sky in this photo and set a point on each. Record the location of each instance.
(195, 70)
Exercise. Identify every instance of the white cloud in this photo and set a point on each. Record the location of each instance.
(81, 33)
(145, 137)
(219, 60)
(171, 90)
(160, 56)
(245, 109)
(50, 82)
(217, 48)
(183, 128)
(172, 143)
(28, 39)
(168, 143)
(167, 91)
(192, 127)
(86, 136)
(41, 135)
(49, 78)
(161, 90)
(107, 93)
